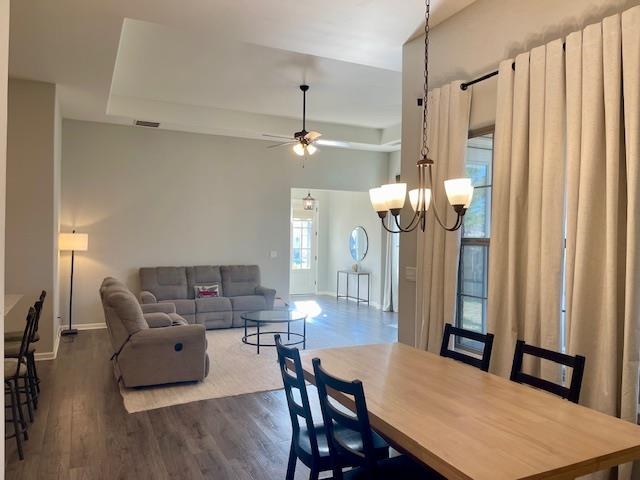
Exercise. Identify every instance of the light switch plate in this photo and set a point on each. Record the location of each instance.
(410, 273)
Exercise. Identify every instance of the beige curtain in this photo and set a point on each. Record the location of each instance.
(438, 250)
(603, 232)
(525, 264)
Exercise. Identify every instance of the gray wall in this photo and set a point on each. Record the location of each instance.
(156, 197)
(31, 213)
(467, 45)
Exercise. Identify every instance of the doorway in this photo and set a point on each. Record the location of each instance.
(303, 276)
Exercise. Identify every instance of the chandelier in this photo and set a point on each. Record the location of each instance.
(308, 202)
(391, 198)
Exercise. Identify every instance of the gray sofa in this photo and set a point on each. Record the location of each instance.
(152, 345)
(240, 292)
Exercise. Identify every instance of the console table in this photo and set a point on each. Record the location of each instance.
(358, 275)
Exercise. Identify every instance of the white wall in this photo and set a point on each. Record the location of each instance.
(155, 197)
(31, 209)
(465, 46)
(4, 74)
(339, 213)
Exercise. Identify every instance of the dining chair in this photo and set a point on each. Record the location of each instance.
(342, 425)
(576, 363)
(11, 350)
(485, 339)
(309, 440)
(15, 369)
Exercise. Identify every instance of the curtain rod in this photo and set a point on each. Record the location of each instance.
(464, 86)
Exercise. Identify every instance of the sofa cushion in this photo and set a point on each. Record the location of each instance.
(166, 283)
(213, 304)
(203, 275)
(177, 319)
(183, 307)
(245, 303)
(214, 320)
(240, 280)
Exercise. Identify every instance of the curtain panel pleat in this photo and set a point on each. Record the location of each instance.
(438, 250)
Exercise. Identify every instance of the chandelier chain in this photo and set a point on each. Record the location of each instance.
(425, 104)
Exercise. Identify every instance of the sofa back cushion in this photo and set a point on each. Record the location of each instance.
(204, 275)
(166, 283)
(239, 280)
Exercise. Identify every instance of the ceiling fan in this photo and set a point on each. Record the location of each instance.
(302, 141)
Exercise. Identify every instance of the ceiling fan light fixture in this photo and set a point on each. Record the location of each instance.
(298, 149)
(311, 149)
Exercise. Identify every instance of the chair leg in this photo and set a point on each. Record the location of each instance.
(314, 474)
(27, 395)
(20, 411)
(35, 373)
(291, 467)
(32, 381)
(14, 416)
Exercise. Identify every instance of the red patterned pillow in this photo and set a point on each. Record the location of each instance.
(207, 291)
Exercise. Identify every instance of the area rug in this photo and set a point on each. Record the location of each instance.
(235, 369)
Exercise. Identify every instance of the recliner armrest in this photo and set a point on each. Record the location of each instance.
(269, 295)
(157, 319)
(158, 308)
(147, 297)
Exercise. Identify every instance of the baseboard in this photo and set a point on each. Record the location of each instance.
(90, 326)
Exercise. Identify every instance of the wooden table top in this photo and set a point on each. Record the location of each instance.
(10, 301)
(468, 424)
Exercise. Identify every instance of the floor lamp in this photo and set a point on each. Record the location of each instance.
(73, 242)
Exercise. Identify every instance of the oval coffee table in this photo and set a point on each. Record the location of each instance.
(260, 318)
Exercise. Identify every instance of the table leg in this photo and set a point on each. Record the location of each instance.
(245, 329)
(304, 333)
(358, 290)
(258, 341)
(347, 275)
(288, 330)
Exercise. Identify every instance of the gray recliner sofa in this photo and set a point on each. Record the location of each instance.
(152, 345)
(240, 292)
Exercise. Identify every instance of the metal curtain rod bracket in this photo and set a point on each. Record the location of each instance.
(464, 86)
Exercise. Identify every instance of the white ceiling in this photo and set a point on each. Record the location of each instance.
(225, 66)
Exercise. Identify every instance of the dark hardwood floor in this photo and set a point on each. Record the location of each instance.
(82, 431)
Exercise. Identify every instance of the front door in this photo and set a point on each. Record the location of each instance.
(303, 249)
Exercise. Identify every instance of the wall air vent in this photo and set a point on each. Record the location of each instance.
(144, 123)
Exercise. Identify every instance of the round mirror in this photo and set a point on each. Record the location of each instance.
(358, 243)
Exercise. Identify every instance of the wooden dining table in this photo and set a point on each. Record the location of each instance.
(469, 424)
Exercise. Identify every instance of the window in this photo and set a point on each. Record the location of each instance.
(301, 231)
(474, 249)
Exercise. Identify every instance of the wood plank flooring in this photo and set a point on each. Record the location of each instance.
(82, 431)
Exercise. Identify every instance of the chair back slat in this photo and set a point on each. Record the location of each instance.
(485, 338)
(294, 382)
(355, 424)
(576, 363)
(38, 308)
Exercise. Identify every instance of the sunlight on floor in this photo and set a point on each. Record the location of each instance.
(310, 307)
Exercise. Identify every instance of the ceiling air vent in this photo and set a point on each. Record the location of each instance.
(144, 123)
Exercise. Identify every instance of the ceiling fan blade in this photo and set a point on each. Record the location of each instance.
(333, 143)
(281, 144)
(312, 136)
(277, 136)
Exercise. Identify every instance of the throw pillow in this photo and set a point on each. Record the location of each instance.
(207, 291)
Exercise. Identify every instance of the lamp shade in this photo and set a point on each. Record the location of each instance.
(378, 199)
(459, 191)
(311, 149)
(417, 203)
(73, 241)
(394, 194)
(298, 148)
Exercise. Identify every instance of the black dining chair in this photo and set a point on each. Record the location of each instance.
(342, 426)
(576, 363)
(485, 339)
(309, 440)
(15, 369)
